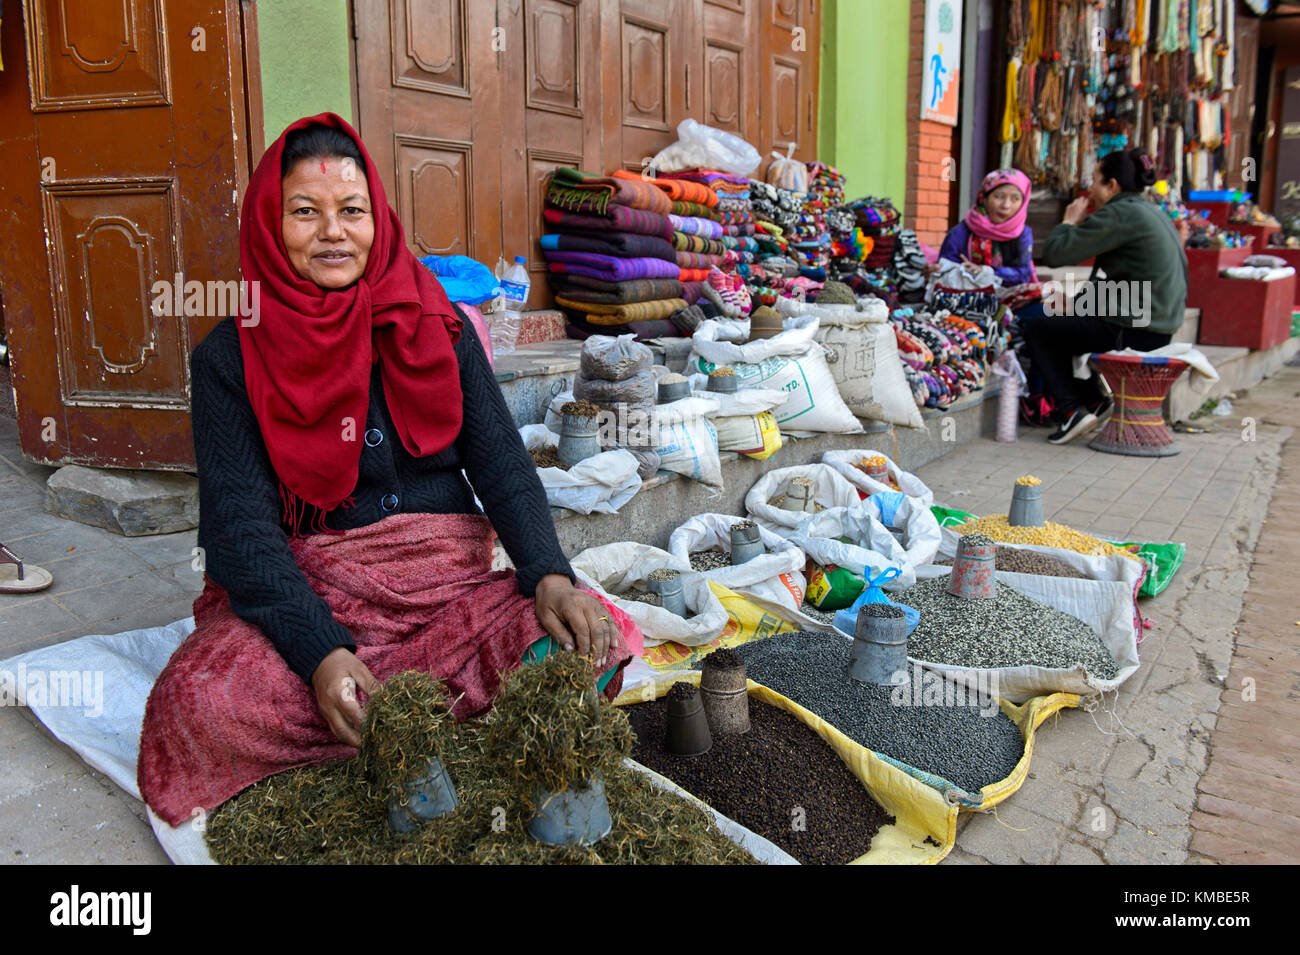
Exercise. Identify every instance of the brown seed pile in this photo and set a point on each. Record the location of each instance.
(663, 573)
(1028, 562)
(580, 409)
(779, 503)
(548, 457)
(723, 372)
(780, 779)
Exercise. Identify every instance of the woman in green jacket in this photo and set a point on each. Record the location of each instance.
(1139, 304)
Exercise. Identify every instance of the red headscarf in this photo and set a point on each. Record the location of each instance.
(307, 362)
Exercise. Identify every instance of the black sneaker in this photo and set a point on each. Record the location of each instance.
(1081, 421)
(1104, 409)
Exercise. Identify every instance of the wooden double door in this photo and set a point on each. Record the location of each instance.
(468, 105)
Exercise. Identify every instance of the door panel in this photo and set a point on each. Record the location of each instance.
(127, 160)
(790, 43)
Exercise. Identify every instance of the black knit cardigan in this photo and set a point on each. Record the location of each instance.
(246, 544)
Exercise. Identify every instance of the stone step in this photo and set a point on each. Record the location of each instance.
(1191, 326)
(1238, 368)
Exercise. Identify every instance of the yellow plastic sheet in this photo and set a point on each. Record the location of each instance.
(925, 825)
(746, 621)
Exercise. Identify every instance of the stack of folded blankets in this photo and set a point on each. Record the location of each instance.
(879, 221)
(730, 223)
(942, 353)
(612, 261)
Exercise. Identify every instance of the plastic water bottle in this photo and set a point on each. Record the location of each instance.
(516, 283)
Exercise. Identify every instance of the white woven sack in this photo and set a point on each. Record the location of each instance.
(845, 462)
(686, 440)
(873, 551)
(829, 490)
(776, 575)
(613, 569)
(791, 362)
(600, 484)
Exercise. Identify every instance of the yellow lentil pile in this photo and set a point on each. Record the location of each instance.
(874, 461)
(1028, 480)
(1049, 535)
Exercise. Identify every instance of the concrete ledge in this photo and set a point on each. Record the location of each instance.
(1238, 368)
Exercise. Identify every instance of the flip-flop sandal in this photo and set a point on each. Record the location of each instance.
(17, 578)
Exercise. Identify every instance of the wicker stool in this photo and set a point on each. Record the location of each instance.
(1139, 385)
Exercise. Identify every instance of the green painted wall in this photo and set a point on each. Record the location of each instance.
(862, 127)
(305, 63)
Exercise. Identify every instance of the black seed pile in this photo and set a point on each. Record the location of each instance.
(780, 780)
(955, 742)
(1007, 631)
(821, 616)
(1028, 562)
(703, 560)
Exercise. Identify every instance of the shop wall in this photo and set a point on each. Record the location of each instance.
(1284, 37)
(305, 60)
(864, 94)
(932, 149)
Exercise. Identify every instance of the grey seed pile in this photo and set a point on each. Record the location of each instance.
(642, 597)
(954, 742)
(702, 560)
(1006, 631)
(1028, 562)
(663, 573)
(881, 610)
(977, 540)
(821, 616)
(743, 525)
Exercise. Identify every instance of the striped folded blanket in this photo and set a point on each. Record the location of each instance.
(600, 314)
(676, 189)
(584, 192)
(608, 267)
(694, 209)
(740, 228)
(742, 243)
(694, 275)
(580, 288)
(618, 218)
(696, 260)
(697, 243)
(719, 182)
(618, 244)
(693, 225)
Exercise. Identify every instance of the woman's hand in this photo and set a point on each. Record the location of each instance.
(336, 681)
(1076, 211)
(575, 618)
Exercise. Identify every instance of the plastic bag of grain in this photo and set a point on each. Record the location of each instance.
(863, 359)
(615, 569)
(846, 463)
(600, 484)
(829, 490)
(613, 358)
(855, 539)
(776, 575)
(686, 441)
(744, 421)
(791, 362)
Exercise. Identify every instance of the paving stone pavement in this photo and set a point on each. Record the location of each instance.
(1118, 785)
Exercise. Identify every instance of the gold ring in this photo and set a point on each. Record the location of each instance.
(606, 619)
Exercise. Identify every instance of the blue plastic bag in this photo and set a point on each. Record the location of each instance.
(463, 279)
(846, 620)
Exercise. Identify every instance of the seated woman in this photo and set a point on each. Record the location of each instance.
(346, 409)
(994, 231)
(1139, 306)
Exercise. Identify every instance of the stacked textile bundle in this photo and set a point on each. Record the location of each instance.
(731, 215)
(825, 191)
(942, 353)
(612, 262)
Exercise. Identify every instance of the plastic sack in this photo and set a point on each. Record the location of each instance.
(465, 280)
(744, 421)
(921, 535)
(786, 172)
(846, 463)
(790, 361)
(924, 829)
(833, 587)
(614, 569)
(705, 147)
(1104, 605)
(830, 490)
(871, 549)
(481, 328)
(863, 360)
(613, 358)
(953, 277)
(637, 391)
(600, 484)
(846, 620)
(686, 440)
(776, 575)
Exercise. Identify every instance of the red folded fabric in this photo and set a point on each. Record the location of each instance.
(681, 190)
(416, 591)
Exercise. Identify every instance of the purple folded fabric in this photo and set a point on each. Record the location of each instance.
(608, 267)
(618, 218)
(693, 225)
(618, 244)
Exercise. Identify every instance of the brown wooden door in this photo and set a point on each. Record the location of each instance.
(730, 67)
(1241, 107)
(429, 110)
(123, 162)
(790, 44)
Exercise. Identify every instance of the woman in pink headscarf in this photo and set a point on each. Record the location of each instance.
(994, 231)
